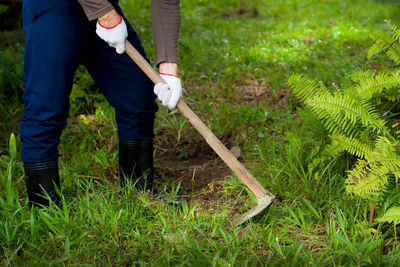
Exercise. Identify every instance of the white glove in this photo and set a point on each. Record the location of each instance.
(114, 36)
(170, 93)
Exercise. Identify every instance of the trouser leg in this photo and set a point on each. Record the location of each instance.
(54, 32)
(130, 92)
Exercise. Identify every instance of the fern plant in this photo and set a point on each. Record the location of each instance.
(357, 124)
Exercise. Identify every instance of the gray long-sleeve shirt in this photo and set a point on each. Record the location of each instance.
(165, 16)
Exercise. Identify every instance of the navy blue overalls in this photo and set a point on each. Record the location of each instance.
(59, 37)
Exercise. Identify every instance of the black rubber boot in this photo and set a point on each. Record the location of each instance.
(136, 165)
(40, 179)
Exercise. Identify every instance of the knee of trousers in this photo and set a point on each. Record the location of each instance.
(40, 138)
(134, 127)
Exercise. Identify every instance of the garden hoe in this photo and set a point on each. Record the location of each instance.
(264, 198)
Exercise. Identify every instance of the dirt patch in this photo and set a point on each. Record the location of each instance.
(259, 93)
(241, 12)
(255, 91)
(193, 148)
(194, 165)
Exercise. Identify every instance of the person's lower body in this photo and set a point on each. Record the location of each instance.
(58, 39)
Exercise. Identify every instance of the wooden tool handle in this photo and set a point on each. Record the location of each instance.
(211, 139)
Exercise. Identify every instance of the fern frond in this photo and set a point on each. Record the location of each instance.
(382, 41)
(394, 30)
(389, 42)
(352, 145)
(385, 155)
(393, 94)
(360, 75)
(345, 107)
(363, 181)
(396, 174)
(392, 163)
(391, 216)
(372, 86)
(393, 52)
(335, 124)
(331, 151)
(304, 88)
(381, 171)
(384, 146)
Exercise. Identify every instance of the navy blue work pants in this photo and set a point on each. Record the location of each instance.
(59, 37)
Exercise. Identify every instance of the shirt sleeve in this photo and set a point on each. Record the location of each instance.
(166, 20)
(95, 8)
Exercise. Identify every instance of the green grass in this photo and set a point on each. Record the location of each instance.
(228, 51)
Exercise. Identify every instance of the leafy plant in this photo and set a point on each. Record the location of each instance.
(11, 81)
(357, 122)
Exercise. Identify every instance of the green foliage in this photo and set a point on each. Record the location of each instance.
(391, 216)
(364, 180)
(11, 80)
(340, 112)
(354, 119)
(372, 85)
(12, 147)
(388, 43)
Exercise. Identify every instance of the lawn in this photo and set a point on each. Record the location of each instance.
(235, 61)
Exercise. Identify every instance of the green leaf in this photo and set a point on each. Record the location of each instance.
(12, 147)
(392, 215)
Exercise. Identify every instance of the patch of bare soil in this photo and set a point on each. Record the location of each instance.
(194, 165)
(257, 93)
(241, 12)
(252, 92)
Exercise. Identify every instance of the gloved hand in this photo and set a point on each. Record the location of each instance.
(115, 36)
(170, 93)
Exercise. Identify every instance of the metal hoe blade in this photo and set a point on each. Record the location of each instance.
(262, 204)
